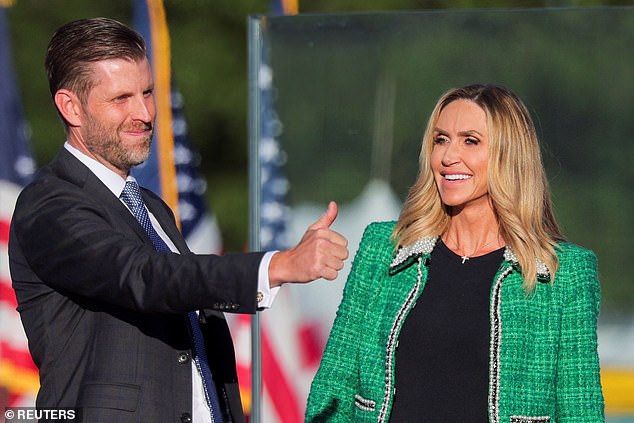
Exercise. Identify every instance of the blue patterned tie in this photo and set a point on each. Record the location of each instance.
(131, 196)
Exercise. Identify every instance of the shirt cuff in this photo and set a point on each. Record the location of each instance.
(266, 294)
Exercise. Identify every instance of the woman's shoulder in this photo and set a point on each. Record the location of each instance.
(576, 264)
(378, 236)
(569, 252)
(379, 230)
(376, 243)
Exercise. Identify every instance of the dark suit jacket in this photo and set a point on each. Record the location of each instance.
(104, 312)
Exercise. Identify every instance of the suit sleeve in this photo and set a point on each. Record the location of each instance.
(579, 395)
(72, 243)
(331, 397)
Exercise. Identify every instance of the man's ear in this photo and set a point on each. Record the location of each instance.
(69, 106)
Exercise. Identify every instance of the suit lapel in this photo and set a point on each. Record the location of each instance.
(160, 212)
(69, 168)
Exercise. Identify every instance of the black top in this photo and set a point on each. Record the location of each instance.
(442, 359)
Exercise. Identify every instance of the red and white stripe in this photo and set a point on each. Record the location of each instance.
(18, 374)
(291, 349)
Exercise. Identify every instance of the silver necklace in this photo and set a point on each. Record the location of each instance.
(466, 257)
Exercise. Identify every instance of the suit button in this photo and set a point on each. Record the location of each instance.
(183, 358)
(186, 418)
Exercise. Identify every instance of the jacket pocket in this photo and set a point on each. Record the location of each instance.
(109, 395)
(526, 419)
(364, 404)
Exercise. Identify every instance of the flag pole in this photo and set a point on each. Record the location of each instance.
(254, 127)
(162, 68)
(257, 72)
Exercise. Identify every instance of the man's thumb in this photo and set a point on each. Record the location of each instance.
(327, 218)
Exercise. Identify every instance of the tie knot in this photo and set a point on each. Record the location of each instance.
(131, 195)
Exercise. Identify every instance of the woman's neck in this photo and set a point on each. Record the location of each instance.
(473, 233)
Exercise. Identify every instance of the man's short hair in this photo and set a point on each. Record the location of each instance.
(77, 44)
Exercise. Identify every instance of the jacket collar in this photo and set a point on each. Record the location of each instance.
(407, 254)
(70, 168)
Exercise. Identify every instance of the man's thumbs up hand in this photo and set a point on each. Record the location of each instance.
(320, 254)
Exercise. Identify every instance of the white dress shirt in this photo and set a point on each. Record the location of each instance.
(266, 295)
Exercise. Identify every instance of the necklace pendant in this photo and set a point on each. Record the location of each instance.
(464, 258)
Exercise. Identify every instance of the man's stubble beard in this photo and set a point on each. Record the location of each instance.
(107, 143)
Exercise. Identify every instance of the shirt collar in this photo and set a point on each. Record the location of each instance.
(109, 178)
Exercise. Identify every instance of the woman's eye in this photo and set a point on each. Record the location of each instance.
(440, 140)
(472, 141)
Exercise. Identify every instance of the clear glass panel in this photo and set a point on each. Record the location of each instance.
(352, 93)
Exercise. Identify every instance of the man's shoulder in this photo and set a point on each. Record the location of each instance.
(61, 184)
(63, 169)
(46, 183)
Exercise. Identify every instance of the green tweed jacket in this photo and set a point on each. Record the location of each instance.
(543, 361)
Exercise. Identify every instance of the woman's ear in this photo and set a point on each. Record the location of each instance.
(69, 106)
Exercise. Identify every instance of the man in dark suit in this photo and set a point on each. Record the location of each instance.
(106, 285)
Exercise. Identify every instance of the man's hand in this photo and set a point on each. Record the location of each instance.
(319, 254)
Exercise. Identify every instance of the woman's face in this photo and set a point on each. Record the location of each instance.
(459, 158)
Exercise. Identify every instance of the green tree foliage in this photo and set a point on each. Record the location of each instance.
(209, 56)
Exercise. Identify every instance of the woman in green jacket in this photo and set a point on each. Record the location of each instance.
(504, 328)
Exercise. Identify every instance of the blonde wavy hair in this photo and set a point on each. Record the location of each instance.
(517, 183)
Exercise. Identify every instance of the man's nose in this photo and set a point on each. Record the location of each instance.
(144, 109)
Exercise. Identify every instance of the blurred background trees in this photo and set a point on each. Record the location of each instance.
(209, 57)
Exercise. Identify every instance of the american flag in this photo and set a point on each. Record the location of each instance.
(274, 210)
(283, 401)
(289, 346)
(172, 170)
(19, 380)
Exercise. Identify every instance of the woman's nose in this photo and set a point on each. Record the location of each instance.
(451, 155)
